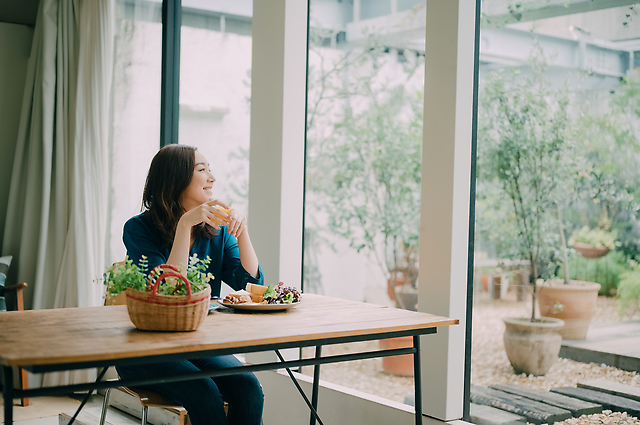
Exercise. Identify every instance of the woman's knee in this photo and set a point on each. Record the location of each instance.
(253, 394)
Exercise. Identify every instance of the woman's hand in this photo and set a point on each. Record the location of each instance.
(211, 213)
(237, 223)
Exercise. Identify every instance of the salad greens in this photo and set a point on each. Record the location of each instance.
(281, 295)
(270, 292)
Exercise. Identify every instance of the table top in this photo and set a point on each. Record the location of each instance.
(90, 334)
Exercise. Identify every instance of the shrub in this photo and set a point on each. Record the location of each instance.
(629, 291)
(606, 270)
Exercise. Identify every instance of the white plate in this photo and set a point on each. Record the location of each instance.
(259, 307)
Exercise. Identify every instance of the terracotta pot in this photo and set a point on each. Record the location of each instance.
(397, 365)
(391, 285)
(532, 347)
(590, 251)
(485, 283)
(574, 303)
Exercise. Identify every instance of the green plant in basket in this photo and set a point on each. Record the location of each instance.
(125, 275)
(595, 237)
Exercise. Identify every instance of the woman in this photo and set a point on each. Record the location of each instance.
(181, 219)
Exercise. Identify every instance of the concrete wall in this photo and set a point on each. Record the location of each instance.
(336, 404)
(15, 46)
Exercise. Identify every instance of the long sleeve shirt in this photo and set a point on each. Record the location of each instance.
(142, 238)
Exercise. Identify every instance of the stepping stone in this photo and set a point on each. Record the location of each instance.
(609, 402)
(534, 411)
(575, 406)
(611, 387)
(487, 415)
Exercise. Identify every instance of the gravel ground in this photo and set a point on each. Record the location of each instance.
(489, 361)
(606, 417)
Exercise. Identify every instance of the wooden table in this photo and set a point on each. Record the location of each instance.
(76, 338)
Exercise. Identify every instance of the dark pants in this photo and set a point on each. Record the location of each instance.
(203, 398)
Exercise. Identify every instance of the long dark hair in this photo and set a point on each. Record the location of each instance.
(169, 175)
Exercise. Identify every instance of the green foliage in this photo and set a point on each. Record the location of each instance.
(595, 237)
(197, 274)
(609, 176)
(371, 169)
(125, 275)
(364, 155)
(629, 291)
(605, 270)
(524, 149)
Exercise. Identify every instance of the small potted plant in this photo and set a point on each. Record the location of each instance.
(163, 298)
(593, 243)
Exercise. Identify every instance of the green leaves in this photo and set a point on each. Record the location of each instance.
(595, 237)
(125, 275)
(525, 141)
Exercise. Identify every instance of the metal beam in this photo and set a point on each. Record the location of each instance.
(512, 47)
(170, 82)
(500, 12)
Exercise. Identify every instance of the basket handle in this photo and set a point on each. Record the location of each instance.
(164, 275)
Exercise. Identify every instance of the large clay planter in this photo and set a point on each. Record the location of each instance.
(574, 303)
(397, 365)
(532, 347)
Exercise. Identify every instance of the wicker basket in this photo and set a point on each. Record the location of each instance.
(151, 311)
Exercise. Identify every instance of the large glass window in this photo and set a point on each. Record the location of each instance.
(215, 90)
(363, 169)
(557, 190)
(136, 112)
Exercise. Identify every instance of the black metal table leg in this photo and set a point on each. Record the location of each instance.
(7, 393)
(86, 397)
(300, 390)
(417, 379)
(316, 383)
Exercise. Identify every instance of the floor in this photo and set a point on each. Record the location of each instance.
(612, 344)
(45, 410)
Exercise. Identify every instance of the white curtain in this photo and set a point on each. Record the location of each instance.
(56, 218)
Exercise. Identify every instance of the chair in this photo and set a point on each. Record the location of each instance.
(5, 262)
(146, 397)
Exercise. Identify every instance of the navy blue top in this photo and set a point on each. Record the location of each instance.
(142, 238)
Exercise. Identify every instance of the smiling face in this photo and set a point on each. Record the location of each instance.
(200, 188)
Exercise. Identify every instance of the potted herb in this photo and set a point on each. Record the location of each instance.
(163, 298)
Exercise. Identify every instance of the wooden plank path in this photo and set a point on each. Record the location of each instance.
(535, 411)
(610, 402)
(611, 387)
(487, 415)
(542, 407)
(575, 406)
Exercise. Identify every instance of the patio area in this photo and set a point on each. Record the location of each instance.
(490, 365)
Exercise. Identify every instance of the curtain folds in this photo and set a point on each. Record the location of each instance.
(56, 218)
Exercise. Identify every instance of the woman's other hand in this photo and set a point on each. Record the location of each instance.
(237, 223)
(211, 213)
